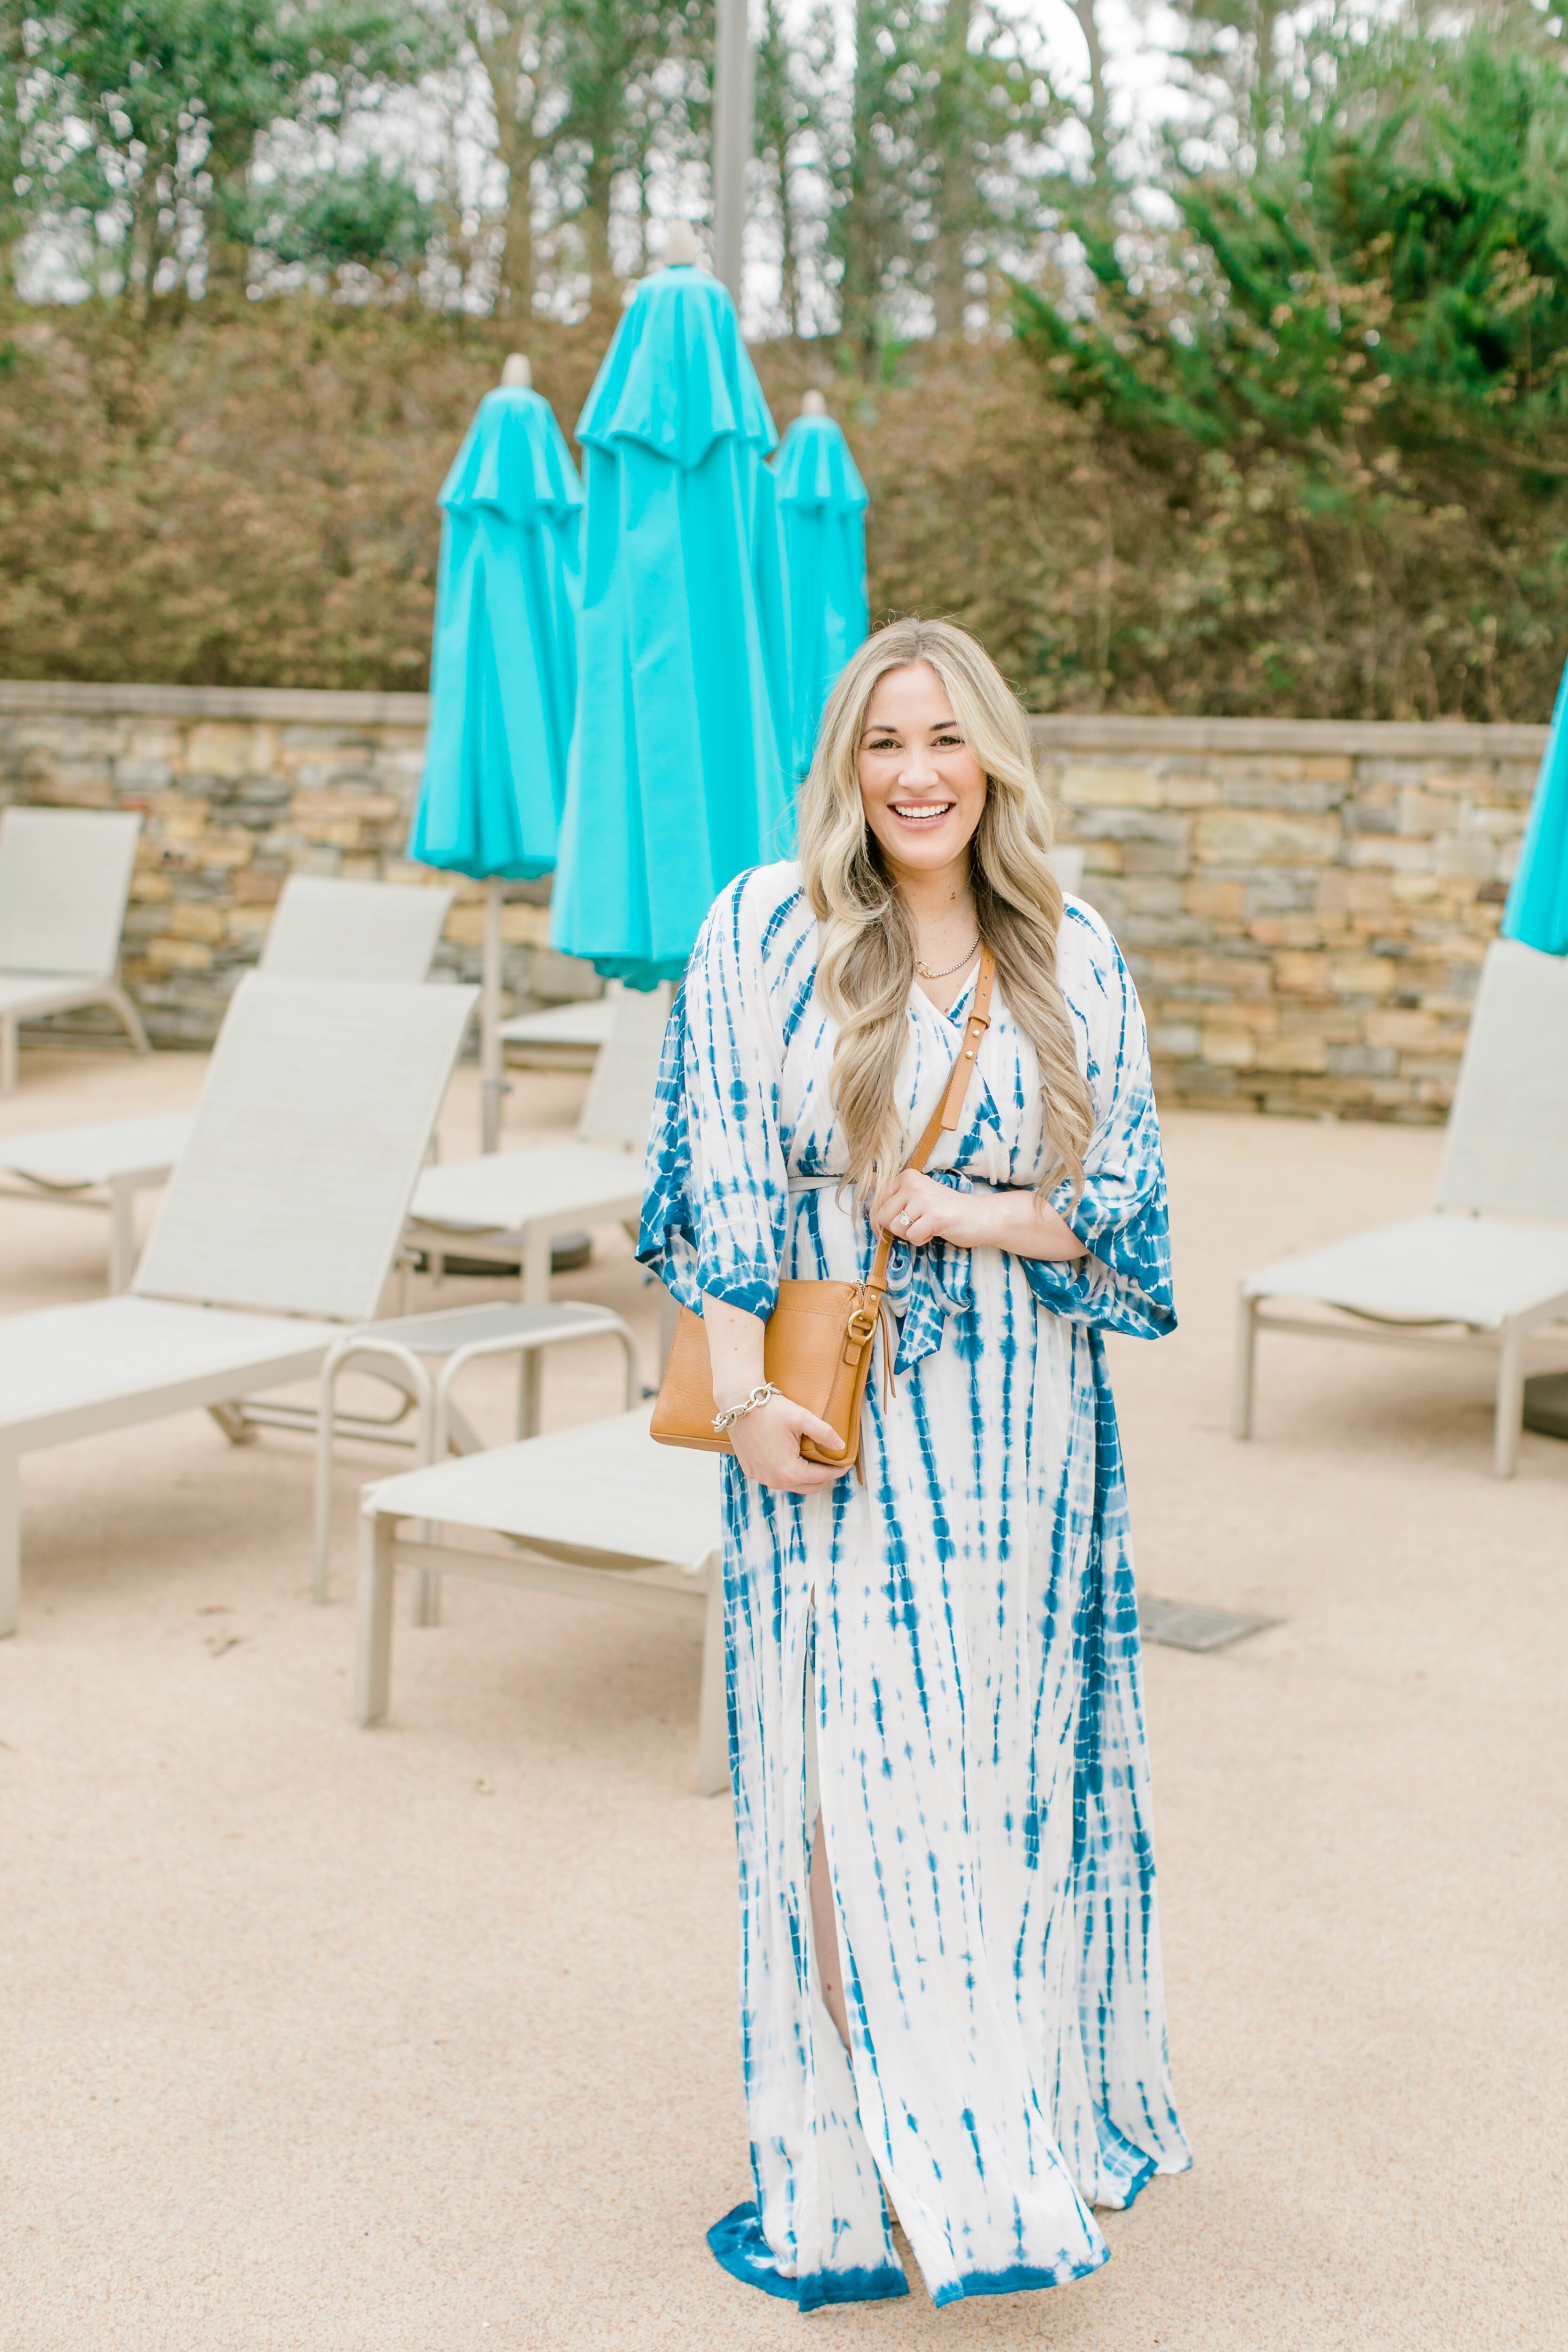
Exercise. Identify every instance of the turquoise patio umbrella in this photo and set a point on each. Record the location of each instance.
(503, 670)
(822, 507)
(678, 771)
(1537, 910)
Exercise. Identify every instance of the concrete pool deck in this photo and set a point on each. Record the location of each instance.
(423, 2040)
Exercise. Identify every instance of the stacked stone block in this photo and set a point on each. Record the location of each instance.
(1305, 909)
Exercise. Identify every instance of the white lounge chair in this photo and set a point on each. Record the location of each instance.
(328, 929)
(65, 877)
(279, 1230)
(323, 930)
(100, 1166)
(509, 1206)
(1490, 1266)
(564, 1036)
(403, 1348)
(602, 1512)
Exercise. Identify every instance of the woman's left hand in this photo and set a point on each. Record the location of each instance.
(916, 1209)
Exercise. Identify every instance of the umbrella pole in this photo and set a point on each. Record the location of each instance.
(733, 134)
(491, 1085)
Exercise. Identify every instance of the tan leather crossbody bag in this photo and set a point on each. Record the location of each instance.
(819, 1337)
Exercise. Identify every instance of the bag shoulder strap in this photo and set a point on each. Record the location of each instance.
(945, 1117)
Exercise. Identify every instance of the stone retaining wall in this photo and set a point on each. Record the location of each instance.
(239, 788)
(1304, 906)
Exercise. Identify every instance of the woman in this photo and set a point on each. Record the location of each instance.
(935, 1722)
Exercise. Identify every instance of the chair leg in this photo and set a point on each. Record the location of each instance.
(1245, 1372)
(536, 1261)
(326, 1439)
(530, 1391)
(432, 1447)
(713, 1717)
(231, 1419)
(8, 1054)
(10, 1542)
(1510, 1400)
(372, 1628)
(121, 1235)
(120, 1004)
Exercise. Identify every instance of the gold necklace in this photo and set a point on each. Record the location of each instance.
(926, 972)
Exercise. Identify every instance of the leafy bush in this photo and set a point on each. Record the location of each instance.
(249, 498)
(363, 216)
(1348, 370)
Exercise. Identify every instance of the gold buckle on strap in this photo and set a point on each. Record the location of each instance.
(861, 1325)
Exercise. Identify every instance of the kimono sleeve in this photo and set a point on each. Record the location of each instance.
(1125, 1284)
(716, 1193)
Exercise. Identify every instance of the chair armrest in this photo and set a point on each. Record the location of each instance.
(522, 1343)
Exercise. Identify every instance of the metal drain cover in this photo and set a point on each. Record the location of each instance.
(1183, 1625)
(1546, 1403)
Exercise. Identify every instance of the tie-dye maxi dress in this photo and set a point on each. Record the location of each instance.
(964, 1624)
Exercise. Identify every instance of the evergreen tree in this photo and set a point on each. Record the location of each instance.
(939, 163)
(793, 73)
(1390, 277)
(515, 43)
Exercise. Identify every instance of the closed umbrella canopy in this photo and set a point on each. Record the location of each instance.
(822, 507)
(677, 777)
(1537, 910)
(503, 671)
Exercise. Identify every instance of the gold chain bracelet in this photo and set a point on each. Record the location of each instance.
(733, 1413)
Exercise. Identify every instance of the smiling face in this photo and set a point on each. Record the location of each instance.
(921, 787)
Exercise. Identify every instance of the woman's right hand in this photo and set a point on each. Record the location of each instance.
(767, 1448)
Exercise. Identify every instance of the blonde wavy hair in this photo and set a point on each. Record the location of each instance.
(866, 959)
